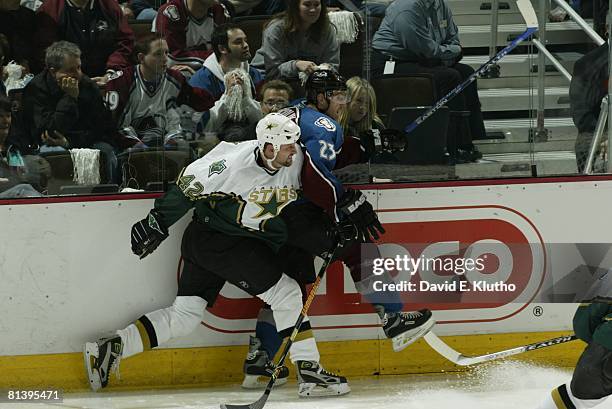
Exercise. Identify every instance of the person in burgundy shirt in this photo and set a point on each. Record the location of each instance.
(98, 27)
(187, 26)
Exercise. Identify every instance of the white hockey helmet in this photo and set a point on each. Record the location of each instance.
(277, 128)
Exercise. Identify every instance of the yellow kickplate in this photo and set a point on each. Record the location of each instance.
(196, 367)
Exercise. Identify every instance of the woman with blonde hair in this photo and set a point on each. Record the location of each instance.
(297, 41)
(360, 120)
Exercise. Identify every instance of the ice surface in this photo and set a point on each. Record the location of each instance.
(496, 385)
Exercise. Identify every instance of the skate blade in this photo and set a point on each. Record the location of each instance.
(90, 353)
(260, 382)
(313, 390)
(407, 338)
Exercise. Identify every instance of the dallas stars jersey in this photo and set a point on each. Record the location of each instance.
(233, 194)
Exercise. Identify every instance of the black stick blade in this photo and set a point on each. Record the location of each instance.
(259, 404)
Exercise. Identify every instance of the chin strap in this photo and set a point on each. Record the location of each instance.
(269, 161)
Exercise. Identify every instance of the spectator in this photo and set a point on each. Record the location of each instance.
(235, 114)
(297, 41)
(588, 87)
(230, 51)
(63, 109)
(4, 50)
(275, 95)
(360, 121)
(12, 75)
(360, 114)
(143, 100)
(188, 26)
(97, 27)
(12, 166)
(420, 36)
(16, 23)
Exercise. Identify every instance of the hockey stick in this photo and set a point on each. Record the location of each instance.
(530, 18)
(458, 358)
(259, 403)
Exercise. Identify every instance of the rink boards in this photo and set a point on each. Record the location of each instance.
(68, 276)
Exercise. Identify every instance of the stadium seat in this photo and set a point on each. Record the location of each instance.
(403, 91)
(141, 168)
(351, 55)
(62, 170)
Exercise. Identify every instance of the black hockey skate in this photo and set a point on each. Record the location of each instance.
(404, 328)
(258, 368)
(313, 380)
(102, 357)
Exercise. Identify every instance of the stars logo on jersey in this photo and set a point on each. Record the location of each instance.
(271, 207)
(271, 201)
(325, 123)
(216, 167)
(172, 13)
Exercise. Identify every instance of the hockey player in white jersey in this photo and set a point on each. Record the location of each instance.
(328, 202)
(237, 192)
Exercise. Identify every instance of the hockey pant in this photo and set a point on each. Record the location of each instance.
(591, 383)
(186, 313)
(309, 229)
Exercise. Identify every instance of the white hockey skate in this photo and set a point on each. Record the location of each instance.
(404, 328)
(101, 358)
(314, 381)
(258, 368)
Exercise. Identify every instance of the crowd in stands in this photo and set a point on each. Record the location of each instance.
(85, 81)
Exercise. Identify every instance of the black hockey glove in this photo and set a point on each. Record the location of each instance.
(148, 234)
(392, 140)
(359, 212)
(370, 143)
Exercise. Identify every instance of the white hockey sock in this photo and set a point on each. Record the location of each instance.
(285, 299)
(563, 398)
(157, 327)
(304, 350)
(132, 342)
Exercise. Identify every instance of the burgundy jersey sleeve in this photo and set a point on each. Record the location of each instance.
(121, 57)
(350, 154)
(197, 98)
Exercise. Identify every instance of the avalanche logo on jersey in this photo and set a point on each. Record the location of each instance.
(325, 123)
(172, 13)
(216, 167)
(271, 200)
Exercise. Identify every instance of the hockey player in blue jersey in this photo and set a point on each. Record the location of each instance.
(329, 205)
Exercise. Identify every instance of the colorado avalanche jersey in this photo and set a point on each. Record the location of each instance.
(141, 105)
(234, 194)
(188, 38)
(323, 138)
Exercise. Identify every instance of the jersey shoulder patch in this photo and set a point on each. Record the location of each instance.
(325, 123)
(172, 13)
(217, 167)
